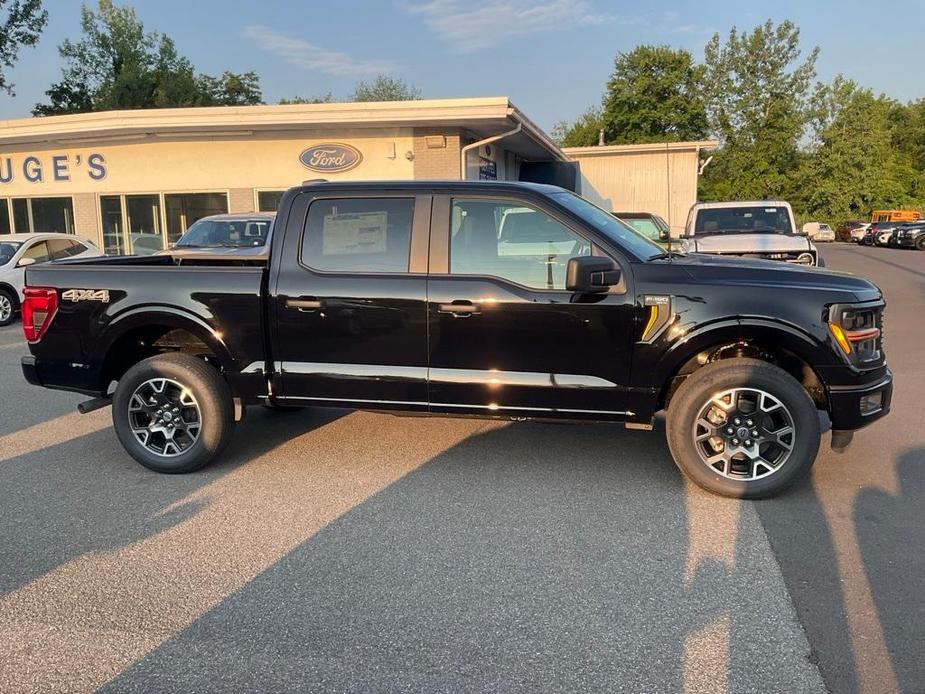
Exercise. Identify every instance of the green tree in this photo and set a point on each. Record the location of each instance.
(385, 88)
(22, 24)
(654, 95)
(118, 65)
(757, 91)
(584, 132)
(854, 165)
(327, 98)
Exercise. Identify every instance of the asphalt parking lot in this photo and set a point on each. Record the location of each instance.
(348, 551)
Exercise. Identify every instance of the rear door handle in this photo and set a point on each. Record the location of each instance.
(460, 308)
(306, 304)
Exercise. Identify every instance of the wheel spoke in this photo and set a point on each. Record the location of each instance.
(164, 417)
(757, 435)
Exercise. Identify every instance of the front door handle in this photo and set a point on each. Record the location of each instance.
(460, 308)
(304, 304)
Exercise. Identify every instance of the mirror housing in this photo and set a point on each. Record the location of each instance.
(590, 274)
(25, 262)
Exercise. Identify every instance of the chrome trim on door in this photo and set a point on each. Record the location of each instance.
(488, 377)
(494, 377)
(307, 368)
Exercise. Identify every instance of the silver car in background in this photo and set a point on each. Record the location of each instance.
(244, 235)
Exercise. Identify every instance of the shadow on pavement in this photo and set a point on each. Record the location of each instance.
(891, 537)
(507, 563)
(88, 495)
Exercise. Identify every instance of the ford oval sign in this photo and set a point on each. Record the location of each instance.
(330, 158)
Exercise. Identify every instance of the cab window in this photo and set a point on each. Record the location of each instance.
(512, 241)
(358, 235)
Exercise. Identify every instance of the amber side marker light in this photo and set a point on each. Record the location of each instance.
(844, 338)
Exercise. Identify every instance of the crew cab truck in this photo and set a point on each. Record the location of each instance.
(488, 299)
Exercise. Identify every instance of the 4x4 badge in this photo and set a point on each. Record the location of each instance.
(76, 295)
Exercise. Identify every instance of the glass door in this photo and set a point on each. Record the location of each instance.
(111, 216)
(143, 224)
(185, 208)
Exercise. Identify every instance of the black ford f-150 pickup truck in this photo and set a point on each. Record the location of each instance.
(469, 298)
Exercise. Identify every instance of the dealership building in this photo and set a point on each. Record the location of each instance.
(133, 181)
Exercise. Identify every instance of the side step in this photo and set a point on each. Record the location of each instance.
(94, 404)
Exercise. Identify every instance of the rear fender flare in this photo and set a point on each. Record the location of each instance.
(172, 318)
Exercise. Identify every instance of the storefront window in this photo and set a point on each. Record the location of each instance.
(268, 200)
(138, 224)
(111, 216)
(42, 215)
(185, 208)
(143, 224)
(5, 226)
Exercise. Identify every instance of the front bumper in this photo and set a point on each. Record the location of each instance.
(905, 242)
(856, 406)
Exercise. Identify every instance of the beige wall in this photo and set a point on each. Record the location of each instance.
(235, 165)
(647, 181)
(436, 154)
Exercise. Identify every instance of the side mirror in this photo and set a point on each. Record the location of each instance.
(589, 274)
(25, 262)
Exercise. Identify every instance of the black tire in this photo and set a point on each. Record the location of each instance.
(8, 296)
(209, 392)
(920, 243)
(697, 391)
(820, 261)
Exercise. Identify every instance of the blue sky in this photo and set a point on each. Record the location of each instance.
(551, 57)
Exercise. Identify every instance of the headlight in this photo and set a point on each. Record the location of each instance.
(856, 330)
(806, 259)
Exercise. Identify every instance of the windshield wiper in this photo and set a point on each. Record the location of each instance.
(666, 255)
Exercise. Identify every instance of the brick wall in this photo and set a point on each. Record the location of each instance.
(87, 217)
(436, 154)
(241, 200)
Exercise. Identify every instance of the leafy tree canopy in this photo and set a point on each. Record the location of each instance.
(21, 24)
(654, 94)
(757, 92)
(385, 88)
(118, 65)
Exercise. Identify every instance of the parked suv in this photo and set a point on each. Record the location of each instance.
(910, 236)
(487, 299)
(761, 229)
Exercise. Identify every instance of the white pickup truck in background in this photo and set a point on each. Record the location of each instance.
(762, 229)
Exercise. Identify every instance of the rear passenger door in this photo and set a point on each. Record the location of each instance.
(349, 301)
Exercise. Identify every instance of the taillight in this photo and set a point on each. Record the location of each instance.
(38, 309)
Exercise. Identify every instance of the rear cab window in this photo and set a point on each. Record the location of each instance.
(358, 235)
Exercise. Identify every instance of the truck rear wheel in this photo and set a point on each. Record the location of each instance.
(173, 413)
(743, 428)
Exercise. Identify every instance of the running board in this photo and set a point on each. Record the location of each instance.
(94, 404)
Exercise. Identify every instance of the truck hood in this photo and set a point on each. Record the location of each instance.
(748, 243)
(746, 272)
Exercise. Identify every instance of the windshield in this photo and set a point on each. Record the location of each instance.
(743, 220)
(609, 225)
(237, 233)
(647, 227)
(8, 250)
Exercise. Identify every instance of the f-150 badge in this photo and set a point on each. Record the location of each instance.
(76, 295)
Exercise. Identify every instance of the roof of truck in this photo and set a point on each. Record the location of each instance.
(740, 203)
(433, 185)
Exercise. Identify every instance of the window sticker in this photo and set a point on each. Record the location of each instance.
(350, 233)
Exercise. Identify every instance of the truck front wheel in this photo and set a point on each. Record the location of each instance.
(173, 413)
(743, 428)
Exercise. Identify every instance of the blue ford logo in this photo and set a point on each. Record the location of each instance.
(330, 157)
